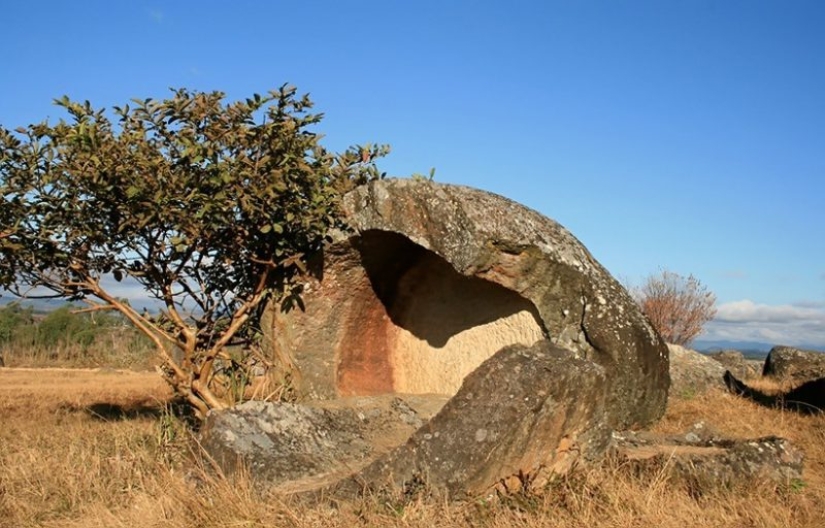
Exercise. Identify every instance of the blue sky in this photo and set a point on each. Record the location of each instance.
(686, 135)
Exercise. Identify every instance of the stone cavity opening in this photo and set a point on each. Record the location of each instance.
(427, 326)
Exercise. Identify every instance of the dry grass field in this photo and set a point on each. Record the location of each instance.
(86, 448)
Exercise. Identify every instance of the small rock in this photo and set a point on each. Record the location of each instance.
(734, 361)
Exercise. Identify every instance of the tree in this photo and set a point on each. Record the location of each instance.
(12, 318)
(676, 306)
(10, 214)
(212, 207)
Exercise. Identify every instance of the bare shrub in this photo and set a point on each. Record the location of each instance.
(677, 306)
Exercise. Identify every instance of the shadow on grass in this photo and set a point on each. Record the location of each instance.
(134, 410)
(808, 398)
(112, 411)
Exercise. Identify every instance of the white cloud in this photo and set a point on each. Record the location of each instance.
(157, 15)
(796, 324)
(747, 310)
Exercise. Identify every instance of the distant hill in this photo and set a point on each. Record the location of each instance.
(47, 305)
(702, 345)
(41, 306)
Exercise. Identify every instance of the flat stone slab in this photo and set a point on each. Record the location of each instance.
(709, 459)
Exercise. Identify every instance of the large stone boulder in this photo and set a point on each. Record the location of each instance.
(434, 279)
(795, 364)
(692, 373)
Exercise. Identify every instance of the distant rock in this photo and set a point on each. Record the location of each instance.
(692, 373)
(789, 363)
(735, 361)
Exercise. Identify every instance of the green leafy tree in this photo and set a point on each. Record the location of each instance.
(13, 318)
(10, 215)
(212, 207)
(65, 327)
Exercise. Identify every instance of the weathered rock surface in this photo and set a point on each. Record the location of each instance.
(301, 447)
(793, 363)
(436, 278)
(526, 413)
(692, 373)
(735, 361)
(706, 459)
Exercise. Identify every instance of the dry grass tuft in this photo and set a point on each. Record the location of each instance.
(97, 449)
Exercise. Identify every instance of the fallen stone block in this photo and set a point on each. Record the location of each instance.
(299, 447)
(709, 461)
(524, 415)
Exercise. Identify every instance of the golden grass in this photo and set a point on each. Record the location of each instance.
(127, 464)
